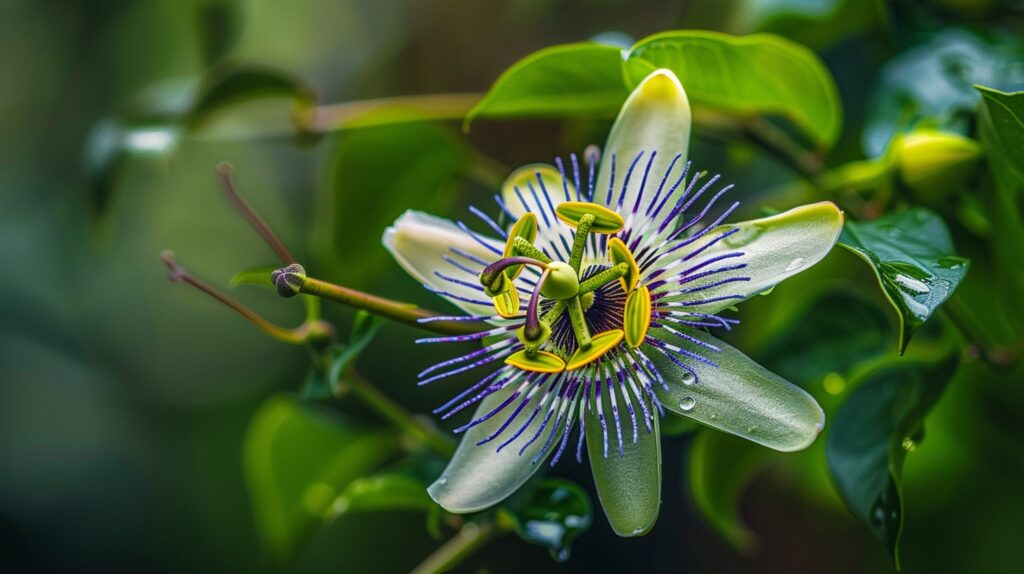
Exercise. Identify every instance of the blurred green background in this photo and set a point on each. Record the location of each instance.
(124, 400)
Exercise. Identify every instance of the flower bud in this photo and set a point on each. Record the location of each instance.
(933, 163)
(289, 280)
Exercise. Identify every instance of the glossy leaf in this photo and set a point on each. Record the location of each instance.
(1001, 127)
(774, 249)
(553, 514)
(628, 475)
(761, 74)
(869, 439)
(737, 395)
(720, 468)
(480, 476)
(933, 83)
(913, 257)
(382, 492)
(297, 458)
(582, 79)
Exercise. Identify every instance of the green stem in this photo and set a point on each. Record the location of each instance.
(395, 310)
(470, 538)
(334, 117)
(439, 442)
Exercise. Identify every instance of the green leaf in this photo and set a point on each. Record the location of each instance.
(826, 340)
(582, 79)
(1001, 127)
(871, 434)
(912, 255)
(628, 475)
(254, 276)
(747, 76)
(219, 27)
(388, 491)
(364, 328)
(933, 83)
(720, 468)
(297, 458)
(735, 395)
(375, 175)
(819, 23)
(678, 426)
(231, 84)
(552, 514)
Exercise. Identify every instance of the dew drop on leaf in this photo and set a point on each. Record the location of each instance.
(687, 403)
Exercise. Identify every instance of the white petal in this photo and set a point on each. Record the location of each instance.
(478, 476)
(737, 396)
(655, 118)
(773, 249)
(420, 243)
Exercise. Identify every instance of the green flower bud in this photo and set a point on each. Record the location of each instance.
(932, 164)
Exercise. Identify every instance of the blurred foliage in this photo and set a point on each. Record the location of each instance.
(146, 428)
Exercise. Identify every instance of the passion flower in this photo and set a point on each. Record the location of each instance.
(595, 307)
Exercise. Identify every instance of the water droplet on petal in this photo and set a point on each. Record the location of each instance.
(687, 403)
(795, 264)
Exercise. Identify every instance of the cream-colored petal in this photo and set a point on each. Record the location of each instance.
(421, 243)
(654, 121)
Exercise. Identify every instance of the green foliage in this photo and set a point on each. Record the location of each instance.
(375, 175)
(254, 276)
(155, 125)
(387, 491)
(932, 84)
(552, 514)
(913, 257)
(754, 75)
(1001, 126)
(720, 467)
(233, 84)
(297, 459)
(881, 421)
(819, 346)
(571, 80)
